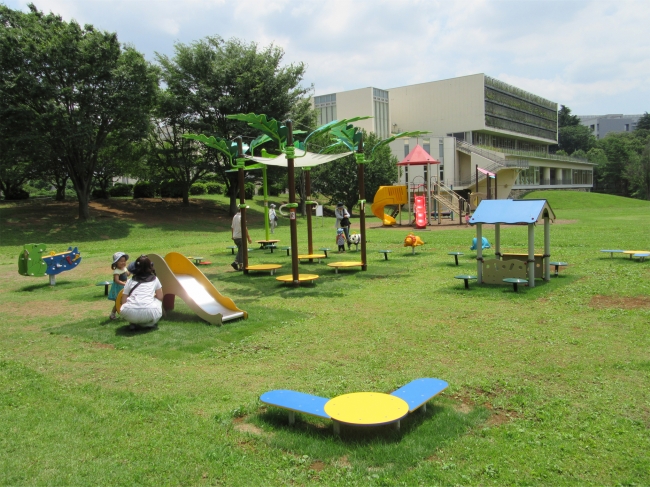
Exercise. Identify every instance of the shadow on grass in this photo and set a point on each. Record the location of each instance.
(484, 290)
(126, 331)
(420, 435)
(46, 285)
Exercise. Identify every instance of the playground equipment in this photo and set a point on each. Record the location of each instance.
(420, 210)
(484, 243)
(513, 212)
(33, 261)
(359, 408)
(385, 196)
(180, 277)
(412, 241)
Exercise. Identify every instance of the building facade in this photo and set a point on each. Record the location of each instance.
(474, 121)
(601, 125)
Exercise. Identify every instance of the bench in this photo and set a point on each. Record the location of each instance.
(296, 402)
(455, 254)
(466, 278)
(612, 252)
(420, 391)
(232, 248)
(344, 265)
(288, 249)
(557, 266)
(311, 257)
(641, 256)
(324, 250)
(632, 252)
(385, 252)
(288, 279)
(264, 267)
(515, 281)
(105, 284)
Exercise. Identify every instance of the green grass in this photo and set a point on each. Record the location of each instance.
(547, 387)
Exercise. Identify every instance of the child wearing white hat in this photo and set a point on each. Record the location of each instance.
(273, 218)
(120, 275)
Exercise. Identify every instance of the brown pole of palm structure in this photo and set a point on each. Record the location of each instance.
(310, 242)
(292, 208)
(362, 206)
(242, 205)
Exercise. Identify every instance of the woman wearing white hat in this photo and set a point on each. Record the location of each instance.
(273, 218)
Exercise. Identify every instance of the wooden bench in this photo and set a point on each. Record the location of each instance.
(466, 278)
(455, 254)
(515, 281)
(264, 267)
(385, 252)
(296, 402)
(344, 265)
(557, 266)
(420, 391)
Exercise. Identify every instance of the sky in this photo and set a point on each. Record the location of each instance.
(590, 55)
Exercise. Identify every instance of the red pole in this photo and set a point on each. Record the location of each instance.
(292, 209)
(310, 243)
(362, 207)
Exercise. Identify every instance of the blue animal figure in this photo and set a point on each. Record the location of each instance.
(486, 244)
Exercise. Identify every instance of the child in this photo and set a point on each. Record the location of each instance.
(120, 275)
(340, 240)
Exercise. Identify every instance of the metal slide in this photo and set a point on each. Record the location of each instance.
(180, 277)
(388, 195)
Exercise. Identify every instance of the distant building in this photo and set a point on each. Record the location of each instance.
(601, 125)
(474, 121)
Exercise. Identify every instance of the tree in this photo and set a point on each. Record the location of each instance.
(638, 174)
(644, 122)
(565, 119)
(213, 78)
(77, 85)
(575, 137)
(338, 179)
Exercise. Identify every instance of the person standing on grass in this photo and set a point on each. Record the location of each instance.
(120, 275)
(236, 230)
(273, 218)
(343, 220)
(142, 296)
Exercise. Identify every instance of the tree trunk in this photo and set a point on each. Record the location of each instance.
(60, 193)
(84, 210)
(232, 189)
(186, 195)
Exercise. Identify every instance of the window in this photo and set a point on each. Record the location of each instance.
(426, 145)
(406, 148)
(441, 151)
(627, 127)
(528, 176)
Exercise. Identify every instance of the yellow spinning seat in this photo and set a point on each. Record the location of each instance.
(301, 278)
(264, 267)
(344, 265)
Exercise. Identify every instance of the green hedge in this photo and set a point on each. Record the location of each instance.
(215, 188)
(121, 189)
(144, 189)
(198, 188)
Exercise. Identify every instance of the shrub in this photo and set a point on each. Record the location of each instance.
(16, 194)
(215, 188)
(249, 191)
(121, 189)
(170, 188)
(275, 190)
(144, 189)
(198, 188)
(100, 193)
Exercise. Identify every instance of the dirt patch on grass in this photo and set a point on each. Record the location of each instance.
(343, 462)
(317, 466)
(248, 428)
(103, 345)
(618, 302)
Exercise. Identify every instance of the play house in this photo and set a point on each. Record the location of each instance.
(523, 266)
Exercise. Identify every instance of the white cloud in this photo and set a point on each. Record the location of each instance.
(591, 55)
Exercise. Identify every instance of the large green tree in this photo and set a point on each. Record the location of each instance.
(565, 119)
(338, 179)
(211, 79)
(575, 137)
(644, 122)
(75, 85)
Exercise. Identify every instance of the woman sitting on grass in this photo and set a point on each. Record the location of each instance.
(142, 296)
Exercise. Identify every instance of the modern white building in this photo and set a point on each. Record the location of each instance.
(601, 125)
(474, 121)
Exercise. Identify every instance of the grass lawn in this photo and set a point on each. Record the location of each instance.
(548, 386)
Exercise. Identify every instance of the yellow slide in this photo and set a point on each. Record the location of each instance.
(388, 195)
(180, 277)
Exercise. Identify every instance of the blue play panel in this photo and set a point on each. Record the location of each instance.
(296, 401)
(420, 391)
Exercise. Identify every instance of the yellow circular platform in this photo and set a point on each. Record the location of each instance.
(264, 267)
(311, 256)
(301, 278)
(345, 264)
(632, 252)
(367, 408)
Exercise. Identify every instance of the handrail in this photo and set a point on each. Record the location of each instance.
(467, 147)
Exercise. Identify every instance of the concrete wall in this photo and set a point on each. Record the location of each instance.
(356, 103)
(441, 107)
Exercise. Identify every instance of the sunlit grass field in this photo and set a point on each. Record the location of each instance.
(548, 386)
